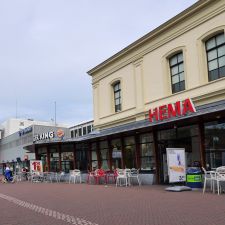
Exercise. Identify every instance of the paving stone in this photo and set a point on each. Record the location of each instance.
(24, 203)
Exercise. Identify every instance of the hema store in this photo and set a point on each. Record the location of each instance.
(165, 90)
(199, 130)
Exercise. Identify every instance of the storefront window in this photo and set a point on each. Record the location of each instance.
(129, 152)
(215, 144)
(94, 158)
(116, 154)
(104, 155)
(81, 156)
(54, 160)
(67, 158)
(42, 155)
(147, 152)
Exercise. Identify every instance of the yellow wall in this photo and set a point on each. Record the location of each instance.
(144, 72)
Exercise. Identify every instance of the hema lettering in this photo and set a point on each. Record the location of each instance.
(172, 110)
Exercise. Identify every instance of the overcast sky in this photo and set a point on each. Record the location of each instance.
(47, 46)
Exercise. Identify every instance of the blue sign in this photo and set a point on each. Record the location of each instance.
(25, 131)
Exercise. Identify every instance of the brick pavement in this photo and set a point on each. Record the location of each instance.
(106, 205)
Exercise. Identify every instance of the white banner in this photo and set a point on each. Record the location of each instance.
(36, 166)
(176, 164)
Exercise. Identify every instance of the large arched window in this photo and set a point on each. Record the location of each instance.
(117, 96)
(215, 50)
(176, 63)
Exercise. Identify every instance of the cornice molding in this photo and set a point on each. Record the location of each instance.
(139, 43)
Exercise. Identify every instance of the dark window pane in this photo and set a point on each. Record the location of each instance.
(89, 129)
(212, 55)
(180, 57)
(222, 71)
(213, 75)
(175, 79)
(176, 88)
(213, 65)
(222, 61)
(182, 85)
(221, 51)
(84, 130)
(173, 60)
(220, 39)
(174, 70)
(211, 43)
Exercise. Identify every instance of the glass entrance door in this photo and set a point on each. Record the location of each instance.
(183, 137)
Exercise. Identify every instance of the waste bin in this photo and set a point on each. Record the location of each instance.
(194, 177)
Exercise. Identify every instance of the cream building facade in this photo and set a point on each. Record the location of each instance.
(143, 68)
(165, 90)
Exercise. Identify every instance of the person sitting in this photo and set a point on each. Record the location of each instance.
(8, 175)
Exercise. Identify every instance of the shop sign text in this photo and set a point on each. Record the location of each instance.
(180, 108)
(44, 136)
(25, 131)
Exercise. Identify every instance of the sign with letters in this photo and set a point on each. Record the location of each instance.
(176, 164)
(44, 136)
(25, 131)
(180, 108)
(36, 166)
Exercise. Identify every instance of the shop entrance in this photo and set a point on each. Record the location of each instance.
(183, 137)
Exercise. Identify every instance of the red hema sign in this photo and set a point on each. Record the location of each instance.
(180, 108)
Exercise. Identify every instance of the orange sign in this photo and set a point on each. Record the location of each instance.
(60, 133)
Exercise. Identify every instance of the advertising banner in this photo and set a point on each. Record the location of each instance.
(176, 164)
(36, 166)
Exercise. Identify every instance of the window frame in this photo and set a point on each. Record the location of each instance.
(208, 50)
(117, 107)
(177, 65)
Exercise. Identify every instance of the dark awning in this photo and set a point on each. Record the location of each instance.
(200, 111)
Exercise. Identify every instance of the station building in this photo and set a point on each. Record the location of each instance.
(167, 89)
(16, 133)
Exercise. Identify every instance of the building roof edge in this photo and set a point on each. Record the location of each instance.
(171, 22)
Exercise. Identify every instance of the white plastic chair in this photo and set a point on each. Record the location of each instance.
(134, 174)
(209, 176)
(220, 177)
(60, 176)
(74, 175)
(122, 175)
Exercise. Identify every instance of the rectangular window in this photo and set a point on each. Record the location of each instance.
(75, 134)
(117, 96)
(116, 153)
(89, 129)
(177, 72)
(80, 132)
(94, 157)
(104, 155)
(147, 157)
(215, 50)
(84, 130)
(72, 134)
(215, 144)
(130, 152)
